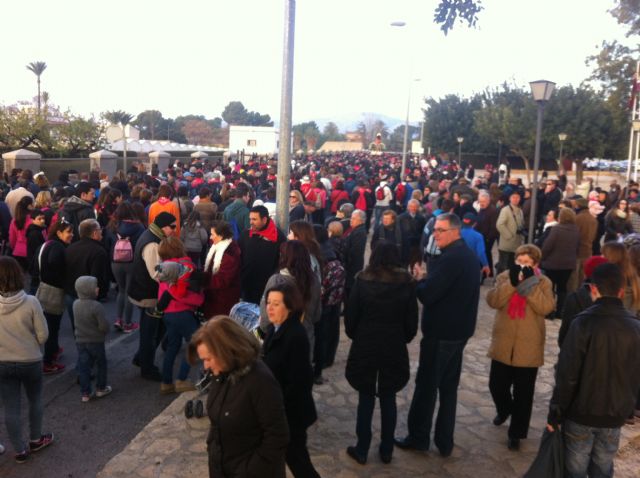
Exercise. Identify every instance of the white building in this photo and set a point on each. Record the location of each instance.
(262, 140)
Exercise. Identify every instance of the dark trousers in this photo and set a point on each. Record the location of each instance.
(150, 330)
(488, 250)
(297, 457)
(331, 319)
(512, 392)
(505, 260)
(88, 355)
(438, 373)
(388, 418)
(559, 278)
(51, 346)
(179, 326)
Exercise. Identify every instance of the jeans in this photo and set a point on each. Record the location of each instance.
(88, 355)
(388, 418)
(51, 346)
(589, 450)
(438, 372)
(122, 273)
(180, 325)
(68, 303)
(512, 390)
(13, 376)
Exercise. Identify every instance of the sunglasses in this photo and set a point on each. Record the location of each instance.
(173, 226)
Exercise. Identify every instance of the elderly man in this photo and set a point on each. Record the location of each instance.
(143, 291)
(449, 294)
(355, 244)
(511, 227)
(412, 222)
(486, 225)
(86, 257)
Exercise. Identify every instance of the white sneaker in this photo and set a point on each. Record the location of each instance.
(104, 392)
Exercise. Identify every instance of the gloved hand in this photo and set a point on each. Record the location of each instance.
(514, 272)
(527, 271)
(163, 303)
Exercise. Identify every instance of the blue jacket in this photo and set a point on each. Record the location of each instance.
(475, 241)
(450, 294)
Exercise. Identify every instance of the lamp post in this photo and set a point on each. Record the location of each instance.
(286, 94)
(562, 137)
(460, 139)
(635, 127)
(406, 132)
(541, 91)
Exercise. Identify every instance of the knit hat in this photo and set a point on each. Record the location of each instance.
(164, 219)
(591, 263)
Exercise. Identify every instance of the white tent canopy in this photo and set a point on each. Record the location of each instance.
(146, 146)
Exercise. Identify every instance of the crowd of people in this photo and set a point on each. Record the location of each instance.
(178, 250)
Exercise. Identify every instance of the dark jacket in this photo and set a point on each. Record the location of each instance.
(381, 319)
(143, 286)
(222, 290)
(87, 257)
(248, 435)
(35, 238)
(394, 235)
(560, 248)
(486, 224)
(450, 294)
(260, 259)
(412, 227)
(54, 266)
(615, 225)
(597, 379)
(297, 213)
(75, 211)
(575, 303)
(286, 352)
(355, 244)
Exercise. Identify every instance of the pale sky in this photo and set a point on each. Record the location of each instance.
(194, 56)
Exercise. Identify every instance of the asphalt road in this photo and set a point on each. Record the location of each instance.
(87, 435)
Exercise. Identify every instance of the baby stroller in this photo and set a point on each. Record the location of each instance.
(245, 314)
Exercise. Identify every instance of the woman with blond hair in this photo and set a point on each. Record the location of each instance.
(616, 253)
(522, 297)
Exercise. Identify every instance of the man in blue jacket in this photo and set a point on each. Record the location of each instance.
(450, 295)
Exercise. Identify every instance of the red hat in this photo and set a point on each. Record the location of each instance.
(591, 263)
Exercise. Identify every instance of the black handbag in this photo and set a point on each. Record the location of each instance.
(549, 462)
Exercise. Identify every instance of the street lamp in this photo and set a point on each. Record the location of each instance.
(541, 91)
(460, 139)
(562, 137)
(635, 127)
(406, 133)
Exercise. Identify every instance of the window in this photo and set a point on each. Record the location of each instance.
(252, 142)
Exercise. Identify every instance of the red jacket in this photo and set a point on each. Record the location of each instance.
(222, 290)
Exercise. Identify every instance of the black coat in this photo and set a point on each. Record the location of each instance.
(248, 435)
(381, 319)
(575, 303)
(286, 352)
(87, 257)
(260, 259)
(53, 264)
(354, 253)
(597, 378)
(450, 294)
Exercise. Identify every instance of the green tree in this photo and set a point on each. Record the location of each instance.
(396, 139)
(448, 11)
(235, 113)
(118, 117)
(151, 125)
(627, 12)
(78, 135)
(37, 67)
(306, 135)
(20, 129)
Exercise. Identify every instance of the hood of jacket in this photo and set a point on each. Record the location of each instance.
(86, 287)
(10, 302)
(74, 203)
(130, 228)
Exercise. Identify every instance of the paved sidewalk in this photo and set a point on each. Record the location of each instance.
(171, 446)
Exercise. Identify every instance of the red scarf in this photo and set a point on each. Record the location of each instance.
(518, 304)
(270, 233)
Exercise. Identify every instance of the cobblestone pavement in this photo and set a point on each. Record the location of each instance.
(171, 446)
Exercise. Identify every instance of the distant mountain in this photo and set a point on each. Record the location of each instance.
(349, 121)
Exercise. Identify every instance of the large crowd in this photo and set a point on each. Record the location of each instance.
(193, 256)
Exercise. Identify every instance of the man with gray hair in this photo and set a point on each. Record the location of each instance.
(412, 223)
(449, 295)
(86, 257)
(355, 244)
(343, 214)
(486, 225)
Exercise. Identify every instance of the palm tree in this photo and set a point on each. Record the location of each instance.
(37, 67)
(118, 117)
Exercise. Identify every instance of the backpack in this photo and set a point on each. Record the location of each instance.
(313, 196)
(401, 192)
(123, 250)
(380, 193)
(333, 283)
(361, 202)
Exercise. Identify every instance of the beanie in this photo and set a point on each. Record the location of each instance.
(164, 219)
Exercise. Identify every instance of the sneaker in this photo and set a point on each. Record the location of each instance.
(45, 441)
(52, 368)
(58, 354)
(22, 457)
(184, 386)
(85, 398)
(104, 392)
(118, 325)
(167, 388)
(128, 328)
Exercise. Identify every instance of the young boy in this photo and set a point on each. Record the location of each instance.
(91, 330)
